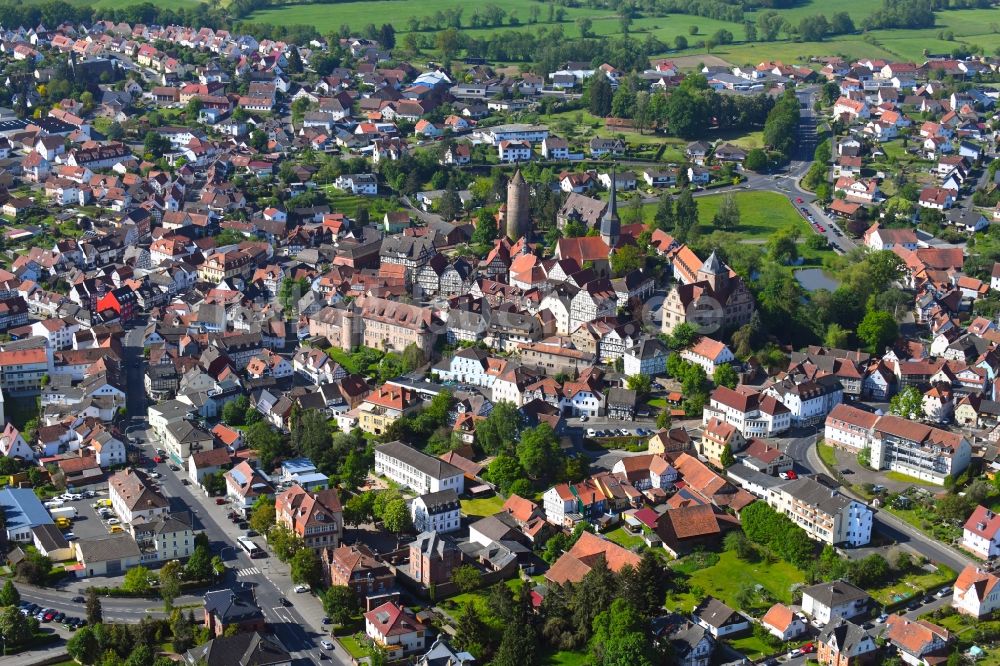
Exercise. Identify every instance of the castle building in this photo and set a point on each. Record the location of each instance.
(717, 300)
(518, 221)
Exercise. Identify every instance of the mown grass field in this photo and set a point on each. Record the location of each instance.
(979, 27)
(724, 579)
(482, 507)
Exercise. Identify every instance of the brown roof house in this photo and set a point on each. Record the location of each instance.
(686, 527)
(131, 499)
(395, 629)
(919, 642)
(781, 622)
(244, 485)
(316, 517)
(575, 563)
(358, 568)
(719, 619)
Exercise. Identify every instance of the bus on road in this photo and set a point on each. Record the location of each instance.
(251, 549)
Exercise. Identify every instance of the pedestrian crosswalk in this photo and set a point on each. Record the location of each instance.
(246, 573)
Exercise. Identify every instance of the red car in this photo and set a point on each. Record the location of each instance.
(220, 500)
(48, 617)
(157, 459)
(798, 199)
(792, 475)
(822, 230)
(808, 648)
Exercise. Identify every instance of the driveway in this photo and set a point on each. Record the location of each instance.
(858, 474)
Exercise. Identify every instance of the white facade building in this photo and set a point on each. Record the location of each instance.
(418, 471)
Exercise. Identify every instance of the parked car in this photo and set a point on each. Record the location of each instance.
(327, 645)
(583, 418)
(301, 588)
(943, 592)
(285, 602)
(808, 648)
(157, 459)
(185, 482)
(220, 500)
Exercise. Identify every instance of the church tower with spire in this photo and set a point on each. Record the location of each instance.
(518, 212)
(611, 225)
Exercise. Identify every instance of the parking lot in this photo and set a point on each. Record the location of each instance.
(88, 524)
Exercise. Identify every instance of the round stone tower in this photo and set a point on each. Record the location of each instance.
(518, 224)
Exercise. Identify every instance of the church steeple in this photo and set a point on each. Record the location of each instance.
(611, 225)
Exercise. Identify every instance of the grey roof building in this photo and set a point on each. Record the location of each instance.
(249, 649)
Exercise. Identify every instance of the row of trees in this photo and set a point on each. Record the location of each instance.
(775, 532)
(782, 124)
(690, 111)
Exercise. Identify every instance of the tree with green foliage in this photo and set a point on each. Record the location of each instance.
(782, 246)
(306, 568)
(908, 403)
(9, 595)
(504, 471)
(284, 541)
(626, 259)
(774, 531)
(500, 429)
(15, 628)
(170, 583)
(681, 337)
(34, 568)
(360, 509)
(727, 217)
(182, 631)
(95, 615)
(663, 419)
(262, 514)
(486, 228)
(295, 61)
(756, 160)
(727, 458)
(82, 646)
(136, 580)
(472, 634)
(687, 112)
(539, 453)
(878, 329)
(340, 604)
(725, 375)
(641, 384)
(619, 637)
(466, 578)
(266, 441)
(199, 565)
(663, 218)
(396, 517)
(600, 96)
(686, 225)
(519, 643)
